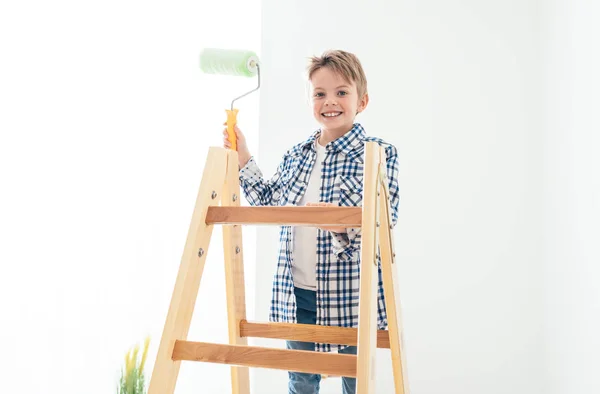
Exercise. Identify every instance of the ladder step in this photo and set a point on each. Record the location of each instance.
(308, 333)
(253, 356)
(292, 215)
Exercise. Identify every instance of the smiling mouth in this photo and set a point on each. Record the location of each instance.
(331, 114)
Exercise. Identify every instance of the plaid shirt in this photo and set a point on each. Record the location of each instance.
(338, 255)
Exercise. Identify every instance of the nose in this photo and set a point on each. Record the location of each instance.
(330, 102)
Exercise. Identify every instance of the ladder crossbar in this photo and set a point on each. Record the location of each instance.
(308, 333)
(292, 215)
(261, 357)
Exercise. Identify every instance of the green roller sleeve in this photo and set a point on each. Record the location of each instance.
(229, 62)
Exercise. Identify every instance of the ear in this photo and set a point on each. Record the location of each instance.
(362, 104)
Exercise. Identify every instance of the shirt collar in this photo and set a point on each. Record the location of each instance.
(345, 144)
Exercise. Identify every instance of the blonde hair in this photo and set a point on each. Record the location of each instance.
(345, 64)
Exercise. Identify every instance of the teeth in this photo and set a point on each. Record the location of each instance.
(332, 114)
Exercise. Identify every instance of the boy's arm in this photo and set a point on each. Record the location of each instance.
(350, 236)
(257, 190)
(392, 172)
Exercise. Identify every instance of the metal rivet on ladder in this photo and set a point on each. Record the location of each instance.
(234, 197)
(200, 252)
(377, 224)
(237, 249)
(214, 195)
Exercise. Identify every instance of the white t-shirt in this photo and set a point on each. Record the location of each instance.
(305, 238)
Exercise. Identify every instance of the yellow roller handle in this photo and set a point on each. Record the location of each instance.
(231, 122)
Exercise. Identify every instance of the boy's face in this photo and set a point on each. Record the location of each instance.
(335, 101)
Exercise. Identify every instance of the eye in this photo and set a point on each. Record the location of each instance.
(342, 93)
(319, 94)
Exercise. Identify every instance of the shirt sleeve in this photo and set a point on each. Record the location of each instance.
(258, 190)
(351, 237)
(392, 172)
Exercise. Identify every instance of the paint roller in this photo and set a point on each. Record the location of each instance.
(231, 62)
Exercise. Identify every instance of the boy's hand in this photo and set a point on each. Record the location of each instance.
(327, 228)
(242, 148)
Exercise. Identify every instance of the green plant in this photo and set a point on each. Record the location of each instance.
(132, 375)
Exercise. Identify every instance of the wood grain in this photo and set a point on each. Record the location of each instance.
(179, 316)
(235, 288)
(308, 333)
(367, 315)
(260, 357)
(392, 293)
(293, 216)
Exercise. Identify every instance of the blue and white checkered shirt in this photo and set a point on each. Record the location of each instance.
(338, 255)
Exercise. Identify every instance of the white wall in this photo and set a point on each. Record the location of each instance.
(104, 125)
(572, 195)
(455, 86)
(105, 122)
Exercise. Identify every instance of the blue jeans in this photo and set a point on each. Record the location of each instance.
(306, 383)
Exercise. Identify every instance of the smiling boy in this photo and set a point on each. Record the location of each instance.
(318, 269)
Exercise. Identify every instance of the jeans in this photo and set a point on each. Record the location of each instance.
(306, 383)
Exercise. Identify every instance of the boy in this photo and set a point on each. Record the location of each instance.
(317, 278)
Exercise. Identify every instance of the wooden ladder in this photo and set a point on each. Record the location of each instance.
(220, 184)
